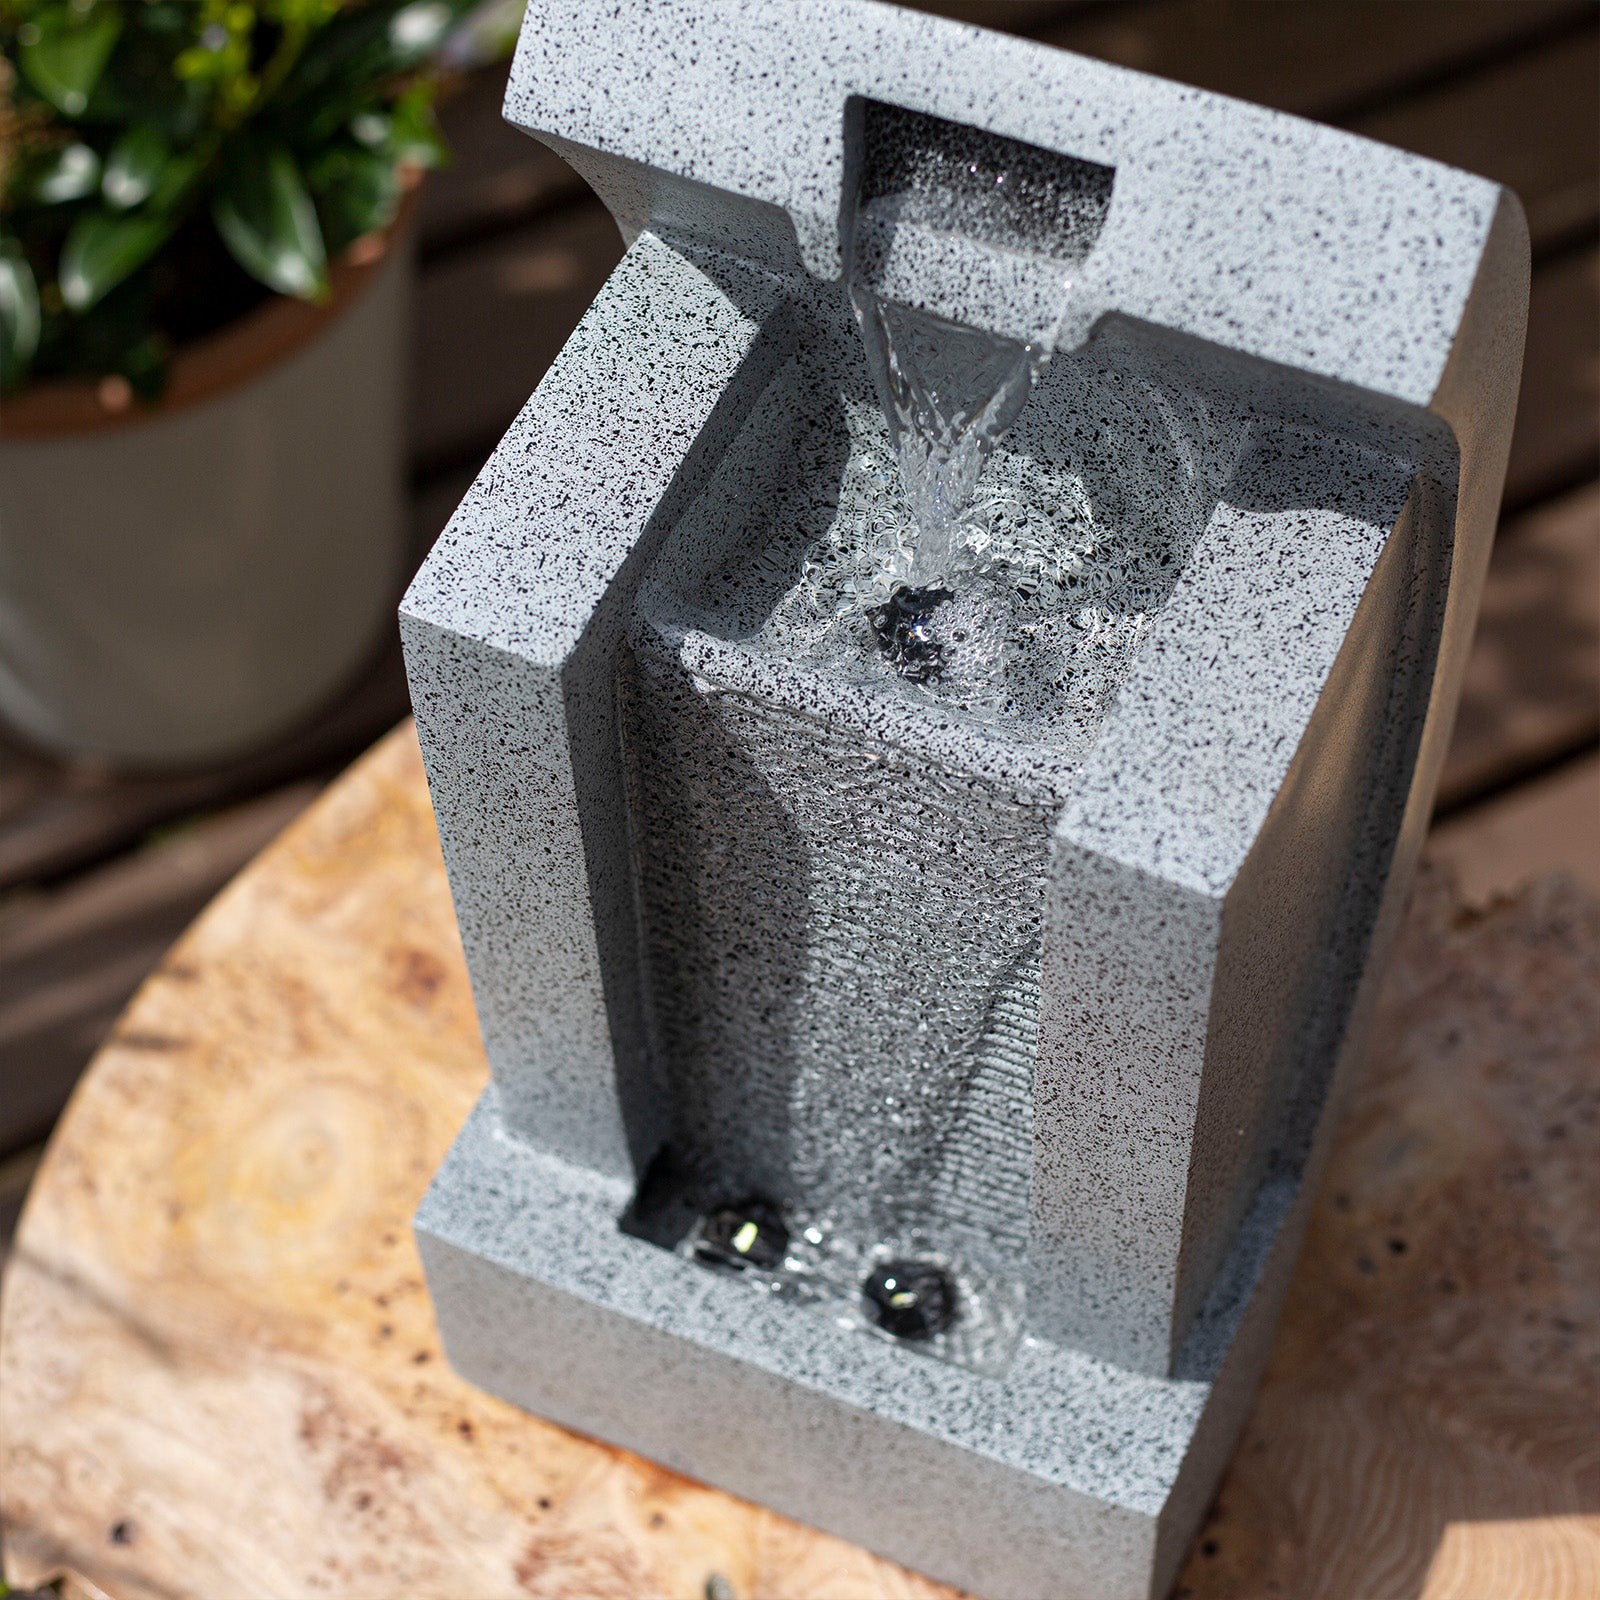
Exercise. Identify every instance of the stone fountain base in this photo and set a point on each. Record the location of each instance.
(1067, 1477)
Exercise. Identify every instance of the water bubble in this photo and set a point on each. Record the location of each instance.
(749, 1233)
(909, 1299)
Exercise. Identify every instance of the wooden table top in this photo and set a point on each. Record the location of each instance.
(220, 1375)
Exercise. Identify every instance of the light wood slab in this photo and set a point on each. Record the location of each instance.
(220, 1376)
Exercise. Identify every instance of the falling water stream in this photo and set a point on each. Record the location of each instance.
(948, 393)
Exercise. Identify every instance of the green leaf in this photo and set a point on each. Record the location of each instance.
(358, 192)
(336, 74)
(162, 16)
(266, 218)
(101, 249)
(355, 52)
(146, 366)
(300, 13)
(70, 174)
(173, 180)
(19, 315)
(414, 136)
(63, 56)
(372, 129)
(134, 166)
(139, 86)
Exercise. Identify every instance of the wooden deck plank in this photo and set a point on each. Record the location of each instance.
(16, 1174)
(496, 173)
(1532, 690)
(490, 321)
(1027, 17)
(58, 816)
(1549, 824)
(1557, 438)
(435, 502)
(1313, 57)
(71, 958)
(1529, 123)
(219, 1372)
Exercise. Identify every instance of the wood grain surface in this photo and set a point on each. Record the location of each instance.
(220, 1376)
(1430, 1421)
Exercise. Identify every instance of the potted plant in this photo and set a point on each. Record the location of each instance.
(203, 286)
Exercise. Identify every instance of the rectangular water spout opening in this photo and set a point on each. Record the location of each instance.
(968, 226)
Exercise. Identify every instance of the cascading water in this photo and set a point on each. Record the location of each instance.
(948, 393)
(880, 1130)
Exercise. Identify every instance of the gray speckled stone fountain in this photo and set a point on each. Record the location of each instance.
(1031, 942)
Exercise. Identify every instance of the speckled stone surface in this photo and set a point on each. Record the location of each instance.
(1062, 984)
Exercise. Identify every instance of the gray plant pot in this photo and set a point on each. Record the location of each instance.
(180, 584)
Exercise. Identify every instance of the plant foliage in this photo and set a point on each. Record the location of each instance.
(166, 163)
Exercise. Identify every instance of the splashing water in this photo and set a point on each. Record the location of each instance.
(1010, 587)
(1071, 544)
(948, 393)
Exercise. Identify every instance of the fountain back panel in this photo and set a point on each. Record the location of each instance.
(931, 711)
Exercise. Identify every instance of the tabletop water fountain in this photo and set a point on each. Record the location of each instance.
(931, 712)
